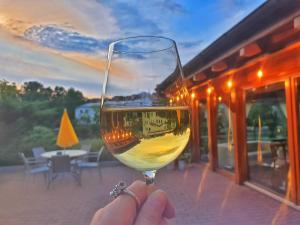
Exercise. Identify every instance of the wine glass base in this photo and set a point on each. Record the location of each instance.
(149, 176)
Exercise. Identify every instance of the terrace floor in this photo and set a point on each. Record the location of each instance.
(200, 197)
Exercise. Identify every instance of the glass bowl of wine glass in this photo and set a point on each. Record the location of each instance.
(140, 124)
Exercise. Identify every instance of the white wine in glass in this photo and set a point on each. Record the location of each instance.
(139, 124)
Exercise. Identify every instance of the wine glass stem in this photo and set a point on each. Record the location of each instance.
(149, 176)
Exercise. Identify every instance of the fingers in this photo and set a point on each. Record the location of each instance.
(122, 211)
(153, 209)
(169, 210)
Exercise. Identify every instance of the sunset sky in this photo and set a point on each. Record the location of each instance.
(64, 42)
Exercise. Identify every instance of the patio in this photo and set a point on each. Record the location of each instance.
(203, 198)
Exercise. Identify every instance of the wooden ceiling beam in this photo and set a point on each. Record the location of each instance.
(199, 77)
(250, 50)
(297, 22)
(219, 66)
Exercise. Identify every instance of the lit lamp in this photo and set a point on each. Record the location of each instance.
(260, 74)
(209, 90)
(220, 98)
(229, 84)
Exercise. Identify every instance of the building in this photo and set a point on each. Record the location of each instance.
(246, 101)
(158, 122)
(87, 113)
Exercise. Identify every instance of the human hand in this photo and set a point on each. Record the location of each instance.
(155, 208)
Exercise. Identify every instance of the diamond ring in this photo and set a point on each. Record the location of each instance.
(121, 188)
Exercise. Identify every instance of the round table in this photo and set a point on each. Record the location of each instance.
(71, 153)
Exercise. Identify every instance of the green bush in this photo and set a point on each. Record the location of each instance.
(38, 136)
(83, 131)
(96, 144)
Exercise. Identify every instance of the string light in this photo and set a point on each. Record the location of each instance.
(260, 74)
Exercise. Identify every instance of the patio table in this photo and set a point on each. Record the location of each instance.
(73, 153)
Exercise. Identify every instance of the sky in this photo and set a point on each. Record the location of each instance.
(65, 42)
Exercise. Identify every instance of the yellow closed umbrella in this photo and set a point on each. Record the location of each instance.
(66, 135)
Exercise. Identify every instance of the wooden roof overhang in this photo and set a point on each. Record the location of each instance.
(273, 26)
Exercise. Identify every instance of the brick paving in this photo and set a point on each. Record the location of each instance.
(200, 197)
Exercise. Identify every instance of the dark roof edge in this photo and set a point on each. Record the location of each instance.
(273, 23)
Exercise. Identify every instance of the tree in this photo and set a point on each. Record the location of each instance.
(9, 102)
(59, 92)
(32, 90)
(72, 100)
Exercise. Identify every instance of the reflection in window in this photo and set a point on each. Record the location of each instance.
(225, 138)
(267, 136)
(203, 132)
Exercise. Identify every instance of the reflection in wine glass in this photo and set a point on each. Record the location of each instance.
(140, 126)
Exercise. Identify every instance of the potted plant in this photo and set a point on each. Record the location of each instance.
(183, 160)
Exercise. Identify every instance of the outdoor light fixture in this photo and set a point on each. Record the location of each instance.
(260, 73)
(229, 84)
(209, 90)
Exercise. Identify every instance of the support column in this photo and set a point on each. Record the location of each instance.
(195, 131)
(212, 130)
(239, 135)
(293, 192)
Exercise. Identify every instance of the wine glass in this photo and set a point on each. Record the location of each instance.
(139, 124)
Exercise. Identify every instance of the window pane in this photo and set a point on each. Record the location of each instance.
(225, 138)
(203, 131)
(267, 136)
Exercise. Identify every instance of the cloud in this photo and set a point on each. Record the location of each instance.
(189, 44)
(130, 19)
(170, 6)
(55, 37)
(83, 16)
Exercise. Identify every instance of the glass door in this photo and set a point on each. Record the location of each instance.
(266, 119)
(203, 131)
(225, 138)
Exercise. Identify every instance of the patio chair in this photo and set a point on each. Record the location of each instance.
(86, 148)
(37, 153)
(76, 161)
(91, 160)
(33, 166)
(60, 165)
